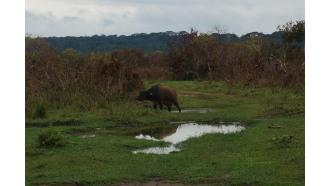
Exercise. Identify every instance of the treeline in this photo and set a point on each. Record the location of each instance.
(70, 77)
(255, 61)
(102, 43)
(147, 42)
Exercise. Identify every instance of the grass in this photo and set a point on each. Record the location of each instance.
(40, 111)
(259, 155)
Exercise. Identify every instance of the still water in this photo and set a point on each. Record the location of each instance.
(184, 132)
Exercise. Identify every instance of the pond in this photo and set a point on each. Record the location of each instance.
(184, 132)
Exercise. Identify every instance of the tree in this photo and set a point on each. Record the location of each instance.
(293, 31)
(220, 29)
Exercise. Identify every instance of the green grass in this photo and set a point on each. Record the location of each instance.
(257, 156)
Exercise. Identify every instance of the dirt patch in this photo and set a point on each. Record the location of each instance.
(39, 125)
(56, 124)
(66, 123)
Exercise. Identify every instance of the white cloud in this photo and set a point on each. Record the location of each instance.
(87, 17)
(71, 17)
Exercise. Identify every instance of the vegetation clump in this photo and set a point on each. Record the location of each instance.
(50, 137)
(283, 141)
(40, 111)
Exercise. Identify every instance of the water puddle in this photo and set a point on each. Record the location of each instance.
(158, 150)
(88, 136)
(184, 132)
(198, 110)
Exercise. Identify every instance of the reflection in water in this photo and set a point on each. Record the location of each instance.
(183, 132)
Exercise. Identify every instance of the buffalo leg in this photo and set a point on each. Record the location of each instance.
(168, 108)
(161, 105)
(177, 106)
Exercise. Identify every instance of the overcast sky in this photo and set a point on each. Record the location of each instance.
(126, 17)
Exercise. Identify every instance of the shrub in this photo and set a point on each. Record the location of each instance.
(40, 111)
(283, 141)
(51, 137)
(69, 78)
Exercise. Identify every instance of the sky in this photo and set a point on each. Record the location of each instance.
(125, 17)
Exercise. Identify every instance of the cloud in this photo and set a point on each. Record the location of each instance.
(136, 16)
(70, 19)
(61, 18)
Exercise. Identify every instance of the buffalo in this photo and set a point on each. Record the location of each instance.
(160, 95)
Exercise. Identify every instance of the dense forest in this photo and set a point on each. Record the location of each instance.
(147, 42)
(85, 70)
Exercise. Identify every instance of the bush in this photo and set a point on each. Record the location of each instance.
(40, 111)
(283, 141)
(71, 79)
(51, 137)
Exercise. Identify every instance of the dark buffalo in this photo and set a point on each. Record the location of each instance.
(160, 95)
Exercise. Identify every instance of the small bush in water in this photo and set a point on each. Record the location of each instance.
(51, 137)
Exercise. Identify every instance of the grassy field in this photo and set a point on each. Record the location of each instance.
(95, 147)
